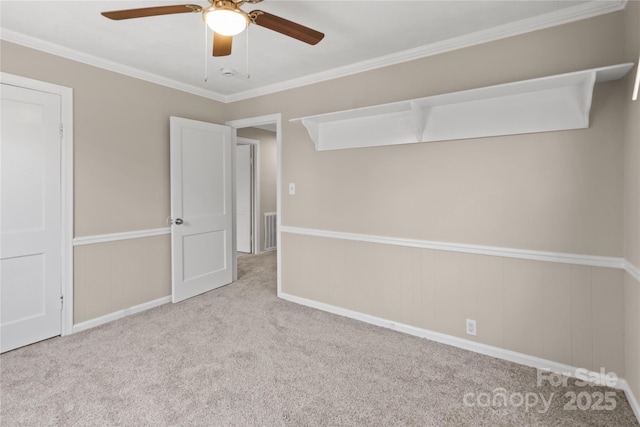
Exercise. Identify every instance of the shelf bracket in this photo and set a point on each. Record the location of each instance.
(420, 119)
(313, 128)
(588, 85)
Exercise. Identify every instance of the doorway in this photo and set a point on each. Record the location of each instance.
(263, 142)
(248, 128)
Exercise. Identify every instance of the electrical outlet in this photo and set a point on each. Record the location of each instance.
(471, 327)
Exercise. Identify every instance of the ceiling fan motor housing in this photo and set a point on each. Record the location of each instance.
(226, 18)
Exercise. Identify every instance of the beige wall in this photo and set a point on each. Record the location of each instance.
(632, 202)
(121, 139)
(566, 313)
(557, 191)
(268, 173)
(573, 191)
(632, 139)
(121, 175)
(113, 276)
(632, 333)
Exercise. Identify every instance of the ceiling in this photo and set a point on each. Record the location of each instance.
(360, 35)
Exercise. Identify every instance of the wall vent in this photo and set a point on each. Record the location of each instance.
(270, 231)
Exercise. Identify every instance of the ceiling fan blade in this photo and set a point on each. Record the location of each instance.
(286, 27)
(152, 11)
(221, 44)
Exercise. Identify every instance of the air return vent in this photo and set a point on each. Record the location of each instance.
(270, 230)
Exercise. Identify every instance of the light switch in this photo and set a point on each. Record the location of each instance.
(292, 188)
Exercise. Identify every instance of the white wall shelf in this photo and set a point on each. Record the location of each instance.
(552, 103)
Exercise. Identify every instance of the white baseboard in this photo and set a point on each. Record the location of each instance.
(82, 326)
(488, 350)
(624, 385)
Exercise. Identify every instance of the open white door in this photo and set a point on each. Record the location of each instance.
(31, 248)
(201, 207)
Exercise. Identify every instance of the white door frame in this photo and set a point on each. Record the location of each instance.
(255, 193)
(257, 121)
(66, 187)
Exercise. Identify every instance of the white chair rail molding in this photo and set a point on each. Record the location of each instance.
(552, 103)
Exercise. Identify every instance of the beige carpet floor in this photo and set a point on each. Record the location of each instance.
(239, 356)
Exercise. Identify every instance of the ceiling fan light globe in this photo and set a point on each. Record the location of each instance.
(226, 22)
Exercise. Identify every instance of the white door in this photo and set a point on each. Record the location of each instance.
(31, 248)
(201, 207)
(243, 197)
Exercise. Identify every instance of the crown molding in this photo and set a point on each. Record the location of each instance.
(74, 55)
(564, 16)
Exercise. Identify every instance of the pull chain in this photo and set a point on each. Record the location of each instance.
(247, 39)
(206, 62)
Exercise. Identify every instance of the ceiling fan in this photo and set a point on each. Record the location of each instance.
(226, 19)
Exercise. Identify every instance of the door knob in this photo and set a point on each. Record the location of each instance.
(178, 221)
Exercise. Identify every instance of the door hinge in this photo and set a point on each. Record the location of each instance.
(61, 302)
(61, 131)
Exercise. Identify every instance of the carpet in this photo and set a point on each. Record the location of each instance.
(239, 356)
